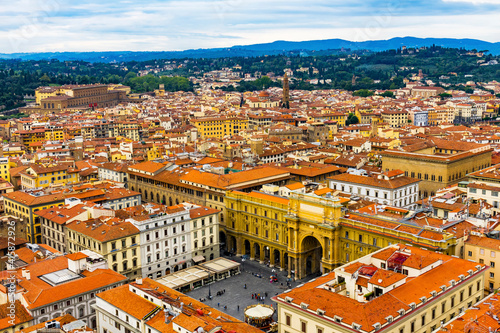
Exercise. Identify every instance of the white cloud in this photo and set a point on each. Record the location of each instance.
(89, 25)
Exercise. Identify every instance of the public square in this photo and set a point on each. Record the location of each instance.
(236, 295)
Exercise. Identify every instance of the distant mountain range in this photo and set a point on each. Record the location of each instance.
(277, 47)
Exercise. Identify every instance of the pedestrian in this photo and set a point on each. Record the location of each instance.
(265, 294)
(238, 308)
(252, 296)
(218, 304)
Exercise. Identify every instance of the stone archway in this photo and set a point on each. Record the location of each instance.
(256, 248)
(164, 200)
(246, 247)
(158, 197)
(277, 255)
(310, 259)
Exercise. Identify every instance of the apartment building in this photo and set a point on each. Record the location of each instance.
(68, 284)
(398, 289)
(112, 238)
(26, 203)
(170, 239)
(391, 188)
(146, 306)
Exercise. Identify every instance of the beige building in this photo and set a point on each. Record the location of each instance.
(437, 162)
(395, 118)
(484, 250)
(398, 289)
(110, 237)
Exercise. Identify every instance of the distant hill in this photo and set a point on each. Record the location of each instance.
(277, 47)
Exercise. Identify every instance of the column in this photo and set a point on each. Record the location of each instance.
(252, 251)
(271, 257)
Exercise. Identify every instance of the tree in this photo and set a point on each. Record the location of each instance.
(363, 93)
(445, 95)
(351, 119)
(387, 94)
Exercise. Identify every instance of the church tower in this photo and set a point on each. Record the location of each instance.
(286, 92)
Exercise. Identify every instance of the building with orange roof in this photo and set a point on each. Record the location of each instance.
(439, 163)
(25, 204)
(147, 306)
(313, 232)
(174, 237)
(481, 318)
(482, 249)
(65, 285)
(112, 238)
(398, 288)
(392, 188)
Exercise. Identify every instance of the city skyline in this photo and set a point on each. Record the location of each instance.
(59, 25)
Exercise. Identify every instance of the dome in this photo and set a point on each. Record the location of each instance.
(264, 94)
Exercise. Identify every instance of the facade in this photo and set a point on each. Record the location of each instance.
(169, 237)
(26, 203)
(398, 289)
(113, 171)
(116, 241)
(146, 306)
(392, 188)
(439, 163)
(307, 233)
(37, 176)
(483, 250)
(72, 97)
(170, 188)
(395, 118)
(68, 285)
(219, 127)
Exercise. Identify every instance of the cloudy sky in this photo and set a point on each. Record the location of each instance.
(103, 25)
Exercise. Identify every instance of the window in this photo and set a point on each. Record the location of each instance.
(452, 302)
(492, 275)
(423, 320)
(319, 330)
(443, 307)
(470, 253)
(288, 320)
(412, 327)
(347, 234)
(492, 264)
(492, 254)
(481, 251)
(433, 313)
(360, 238)
(303, 327)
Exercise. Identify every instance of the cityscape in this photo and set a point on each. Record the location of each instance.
(234, 167)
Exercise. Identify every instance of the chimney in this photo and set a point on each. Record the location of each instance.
(138, 281)
(23, 272)
(27, 275)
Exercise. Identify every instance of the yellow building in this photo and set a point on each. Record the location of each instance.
(27, 137)
(219, 127)
(54, 135)
(38, 175)
(5, 165)
(117, 241)
(484, 250)
(398, 289)
(438, 163)
(25, 204)
(307, 233)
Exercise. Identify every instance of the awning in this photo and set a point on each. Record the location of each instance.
(199, 259)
